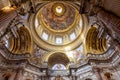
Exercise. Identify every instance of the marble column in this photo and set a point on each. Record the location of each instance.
(18, 74)
(118, 48)
(116, 45)
(111, 22)
(98, 73)
(40, 77)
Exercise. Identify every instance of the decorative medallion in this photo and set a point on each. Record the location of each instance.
(58, 9)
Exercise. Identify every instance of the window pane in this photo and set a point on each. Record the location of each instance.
(58, 40)
(36, 23)
(45, 36)
(72, 36)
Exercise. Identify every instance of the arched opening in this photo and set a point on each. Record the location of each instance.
(88, 79)
(6, 76)
(58, 58)
(28, 79)
(108, 75)
(22, 43)
(94, 44)
(58, 67)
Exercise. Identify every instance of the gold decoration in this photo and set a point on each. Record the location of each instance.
(23, 43)
(75, 23)
(58, 9)
(43, 26)
(93, 43)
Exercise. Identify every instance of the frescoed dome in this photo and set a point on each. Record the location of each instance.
(58, 16)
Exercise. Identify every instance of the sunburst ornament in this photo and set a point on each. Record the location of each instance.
(58, 9)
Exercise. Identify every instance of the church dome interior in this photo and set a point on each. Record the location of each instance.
(59, 39)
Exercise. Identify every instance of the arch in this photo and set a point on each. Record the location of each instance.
(108, 75)
(88, 79)
(23, 43)
(51, 53)
(93, 43)
(57, 58)
(58, 67)
(6, 76)
(27, 79)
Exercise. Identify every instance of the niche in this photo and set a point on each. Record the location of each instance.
(88, 79)
(6, 76)
(28, 79)
(108, 75)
